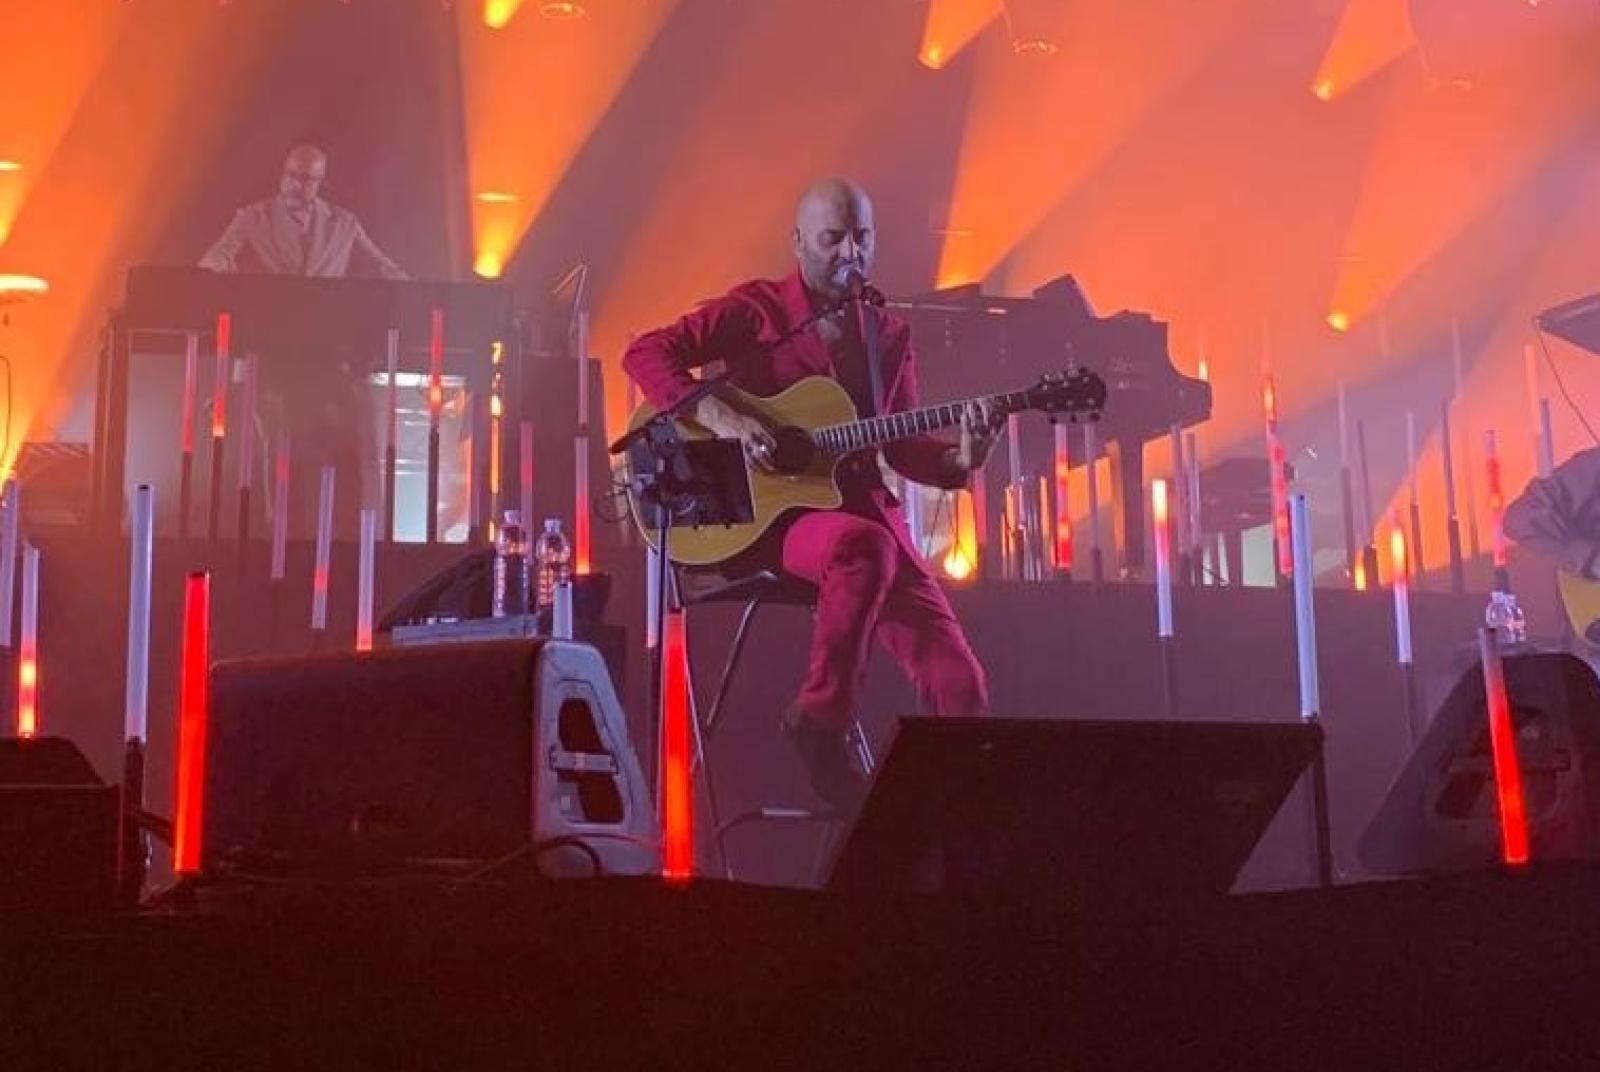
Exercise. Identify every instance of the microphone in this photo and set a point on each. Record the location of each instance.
(860, 290)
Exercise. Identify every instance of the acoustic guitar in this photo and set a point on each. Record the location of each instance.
(817, 427)
(1580, 598)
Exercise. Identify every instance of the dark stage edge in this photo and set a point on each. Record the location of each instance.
(1495, 971)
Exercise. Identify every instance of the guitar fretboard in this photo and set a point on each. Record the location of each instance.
(876, 431)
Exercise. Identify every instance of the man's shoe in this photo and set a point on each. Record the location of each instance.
(826, 755)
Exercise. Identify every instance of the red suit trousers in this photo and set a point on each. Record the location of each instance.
(869, 588)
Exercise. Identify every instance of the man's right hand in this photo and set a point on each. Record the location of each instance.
(726, 422)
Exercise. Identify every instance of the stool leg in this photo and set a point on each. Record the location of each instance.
(740, 635)
(707, 784)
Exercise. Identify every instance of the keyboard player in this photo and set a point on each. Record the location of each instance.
(297, 232)
(324, 402)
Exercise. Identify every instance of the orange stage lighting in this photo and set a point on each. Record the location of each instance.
(1371, 35)
(1034, 134)
(498, 13)
(960, 561)
(577, 70)
(86, 66)
(1339, 321)
(488, 265)
(950, 25)
(1437, 164)
(20, 287)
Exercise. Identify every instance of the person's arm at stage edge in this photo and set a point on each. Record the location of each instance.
(723, 329)
(1556, 516)
(386, 266)
(924, 459)
(223, 256)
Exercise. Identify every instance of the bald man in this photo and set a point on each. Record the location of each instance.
(297, 232)
(871, 582)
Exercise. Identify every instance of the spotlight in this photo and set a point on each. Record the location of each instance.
(497, 14)
(488, 265)
(562, 9)
(1339, 321)
(1323, 90)
(932, 57)
(19, 288)
(956, 565)
(10, 165)
(497, 197)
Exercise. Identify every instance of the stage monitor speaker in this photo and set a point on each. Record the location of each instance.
(1441, 813)
(426, 757)
(58, 822)
(1090, 812)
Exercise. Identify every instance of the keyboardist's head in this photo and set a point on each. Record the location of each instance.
(303, 171)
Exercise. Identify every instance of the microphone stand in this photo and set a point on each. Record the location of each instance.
(671, 489)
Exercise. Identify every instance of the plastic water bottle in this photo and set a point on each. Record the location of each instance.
(553, 556)
(511, 567)
(1505, 617)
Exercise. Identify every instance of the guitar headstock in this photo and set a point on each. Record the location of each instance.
(1079, 394)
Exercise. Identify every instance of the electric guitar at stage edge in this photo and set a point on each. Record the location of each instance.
(817, 426)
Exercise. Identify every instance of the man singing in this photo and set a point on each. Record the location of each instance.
(297, 232)
(870, 580)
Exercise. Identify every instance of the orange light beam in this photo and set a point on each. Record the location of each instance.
(1371, 35)
(1016, 165)
(951, 25)
(1433, 171)
(579, 66)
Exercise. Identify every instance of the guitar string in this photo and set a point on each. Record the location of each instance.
(874, 431)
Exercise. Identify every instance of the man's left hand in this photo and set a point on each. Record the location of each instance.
(980, 427)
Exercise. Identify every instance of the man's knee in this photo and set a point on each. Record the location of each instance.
(865, 548)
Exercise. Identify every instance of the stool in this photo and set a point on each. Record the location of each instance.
(754, 591)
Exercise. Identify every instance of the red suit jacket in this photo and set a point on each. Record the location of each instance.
(745, 330)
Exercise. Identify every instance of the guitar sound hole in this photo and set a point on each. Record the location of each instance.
(795, 451)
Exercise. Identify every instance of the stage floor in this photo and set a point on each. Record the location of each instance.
(1484, 971)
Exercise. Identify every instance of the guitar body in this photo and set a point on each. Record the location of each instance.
(1580, 598)
(814, 402)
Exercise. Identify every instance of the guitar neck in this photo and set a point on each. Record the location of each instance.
(891, 427)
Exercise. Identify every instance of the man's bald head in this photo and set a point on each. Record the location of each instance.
(303, 171)
(833, 235)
